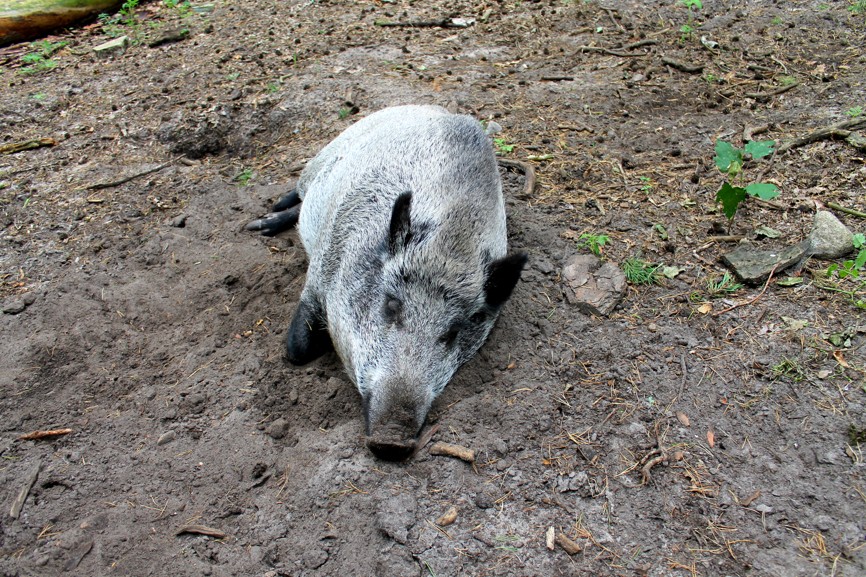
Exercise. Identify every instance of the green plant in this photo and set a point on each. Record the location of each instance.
(646, 184)
(502, 146)
(854, 111)
(730, 160)
(851, 268)
(858, 7)
(638, 271)
(244, 177)
(40, 60)
(776, 21)
(688, 28)
(594, 242)
(344, 113)
(788, 369)
(725, 285)
(273, 87)
(184, 8)
(113, 25)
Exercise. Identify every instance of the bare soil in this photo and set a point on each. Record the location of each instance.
(671, 438)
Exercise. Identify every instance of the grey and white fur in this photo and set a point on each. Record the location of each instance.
(403, 220)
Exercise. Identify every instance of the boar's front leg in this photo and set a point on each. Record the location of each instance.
(308, 337)
(285, 215)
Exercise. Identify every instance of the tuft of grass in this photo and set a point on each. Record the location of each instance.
(718, 287)
(638, 271)
(244, 177)
(502, 146)
(40, 59)
(788, 369)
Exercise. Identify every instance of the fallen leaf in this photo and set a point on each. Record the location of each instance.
(711, 438)
(671, 271)
(448, 517)
(790, 281)
(567, 544)
(767, 232)
(705, 308)
(795, 324)
(683, 418)
(840, 358)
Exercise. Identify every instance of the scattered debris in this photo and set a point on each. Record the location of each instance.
(35, 435)
(528, 175)
(449, 450)
(550, 538)
(18, 503)
(596, 287)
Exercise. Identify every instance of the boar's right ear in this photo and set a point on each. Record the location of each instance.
(399, 232)
(502, 276)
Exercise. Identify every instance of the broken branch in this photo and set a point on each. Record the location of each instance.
(201, 530)
(682, 66)
(839, 130)
(44, 434)
(846, 210)
(124, 180)
(528, 174)
(14, 147)
(449, 450)
(18, 503)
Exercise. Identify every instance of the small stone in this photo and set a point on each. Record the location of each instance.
(754, 266)
(293, 396)
(113, 47)
(596, 287)
(278, 429)
(14, 306)
(829, 239)
(314, 558)
(166, 437)
(179, 221)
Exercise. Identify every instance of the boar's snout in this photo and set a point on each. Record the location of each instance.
(391, 449)
(393, 424)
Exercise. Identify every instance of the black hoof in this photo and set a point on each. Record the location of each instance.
(288, 200)
(308, 337)
(276, 222)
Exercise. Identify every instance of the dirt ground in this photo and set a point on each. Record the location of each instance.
(673, 437)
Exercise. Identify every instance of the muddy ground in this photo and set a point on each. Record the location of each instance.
(673, 437)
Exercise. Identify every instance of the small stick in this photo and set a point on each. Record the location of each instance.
(770, 94)
(44, 434)
(14, 147)
(609, 51)
(567, 544)
(726, 238)
(556, 78)
(425, 438)
(749, 132)
(840, 129)
(753, 301)
(201, 530)
(443, 23)
(124, 180)
(449, 450)
(850, 211)
(682, 66)
(528, 174)
(18, 503)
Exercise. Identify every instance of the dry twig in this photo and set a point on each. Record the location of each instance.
(18, 503)
(528, 174)
(839, 130)
(35, 435)
(201, 530)
(449, 450)
(125, 179)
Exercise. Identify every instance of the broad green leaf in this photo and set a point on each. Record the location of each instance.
(763, 190)
(860, 261)
(760, 149)
(671, 271)
(726, 155)
(730, 197)
(859, 239)
(790, 281)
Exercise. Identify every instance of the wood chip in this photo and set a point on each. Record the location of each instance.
(549, 539)
(750, 499)
(44, 434)
(567, 544)
(711, 438)
(683, 418)
(448, 517)
(18, 503)
(201, 530)
(449, 450)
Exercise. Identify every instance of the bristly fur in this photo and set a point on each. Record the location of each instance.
(404, 224)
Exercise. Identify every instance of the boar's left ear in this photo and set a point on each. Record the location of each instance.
(502, 276)
(399, 232)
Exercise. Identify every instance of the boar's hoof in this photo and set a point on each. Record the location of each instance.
(391, 450)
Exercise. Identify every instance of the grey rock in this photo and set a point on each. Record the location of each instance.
(594, 287)
(115, 46)
(754, 266)
(14, 306)
(829, 238)
(314, 558)
(278, 429)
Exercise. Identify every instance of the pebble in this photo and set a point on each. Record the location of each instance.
(166, 437)
(278, 429)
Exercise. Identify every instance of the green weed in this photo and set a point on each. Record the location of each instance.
(854, 111)
(40, 59)
(730, 161)
(502, 146)
(344, 113)
(858, 7)
(244, 177)
(788, 369)
(594, 242)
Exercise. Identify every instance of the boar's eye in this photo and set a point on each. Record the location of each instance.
(392, 310)
(478, 318)
(448, 339)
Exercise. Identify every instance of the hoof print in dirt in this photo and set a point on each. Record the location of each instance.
(592, 286)
(195, 137)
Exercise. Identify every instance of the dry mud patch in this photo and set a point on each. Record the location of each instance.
(663, 440)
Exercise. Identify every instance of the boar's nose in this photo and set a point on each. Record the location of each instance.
(391, 449)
